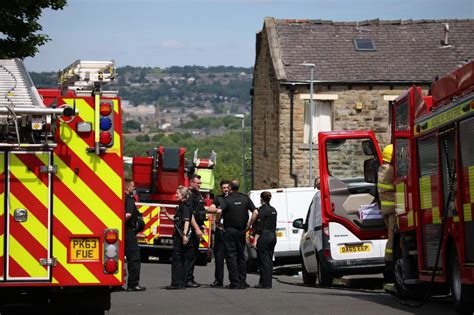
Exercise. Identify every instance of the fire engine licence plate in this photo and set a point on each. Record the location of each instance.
(355, 248)
(84, 249)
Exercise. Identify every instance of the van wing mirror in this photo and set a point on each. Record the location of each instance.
(371, 167)
(298, 223)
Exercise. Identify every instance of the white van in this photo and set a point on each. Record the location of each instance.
(290, 203)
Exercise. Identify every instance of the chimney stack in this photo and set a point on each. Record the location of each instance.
(446, 34)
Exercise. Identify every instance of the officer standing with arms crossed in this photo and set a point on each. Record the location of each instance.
(219, 248)
(199, 216)
(265, 238)
(235, 210)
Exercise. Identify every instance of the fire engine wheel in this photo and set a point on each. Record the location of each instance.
(324, 277)
(404, 290)
(308, 278)
(461, 293)
(202, 259)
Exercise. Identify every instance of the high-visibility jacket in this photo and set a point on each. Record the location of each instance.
(386, 188)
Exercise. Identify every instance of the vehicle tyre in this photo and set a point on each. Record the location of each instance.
(308, 278)
(251, 255)
(324, 277)
(144, 255)
(202, 259)
(404, 290)
(461, 293)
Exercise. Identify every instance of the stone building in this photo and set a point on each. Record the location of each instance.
(359, 69)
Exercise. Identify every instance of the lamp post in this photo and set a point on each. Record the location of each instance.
(311, 66)
(242, 116)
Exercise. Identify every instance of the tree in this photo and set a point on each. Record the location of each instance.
(19, 24)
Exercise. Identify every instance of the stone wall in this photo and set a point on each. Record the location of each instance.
(265, 120)
(372, 116)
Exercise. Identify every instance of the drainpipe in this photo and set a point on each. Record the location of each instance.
(292, 89)
(251, 92)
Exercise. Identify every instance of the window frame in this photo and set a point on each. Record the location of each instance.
(316, 119)
(357, 48)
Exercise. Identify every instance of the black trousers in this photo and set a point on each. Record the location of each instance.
(181, 260)
(195, 245)
(234, 241)
(219, 255)
(265, 248)
(132, 252)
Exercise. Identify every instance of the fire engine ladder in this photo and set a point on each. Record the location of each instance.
(21, 104)
(87, 78)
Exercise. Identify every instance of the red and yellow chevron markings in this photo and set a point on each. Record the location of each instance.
(28, 241)
(2, 211)
(205, 242)
(151, 216)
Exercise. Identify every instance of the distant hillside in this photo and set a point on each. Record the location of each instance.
(205, 87)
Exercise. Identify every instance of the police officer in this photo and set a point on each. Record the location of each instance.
(386, 191)
(265, 238)
(183, 253)
(235, 210)
(199, 216)
(219, 248)
(132, 251)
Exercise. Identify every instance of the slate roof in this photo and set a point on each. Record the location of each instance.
(406, 51)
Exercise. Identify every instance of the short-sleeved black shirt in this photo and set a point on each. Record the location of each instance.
(197, 205)
(183, 213)
(235, 210)
(218, 200)
(266, 220)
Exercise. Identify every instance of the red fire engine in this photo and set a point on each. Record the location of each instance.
(157, 177)
(434, 171)
(61, 189)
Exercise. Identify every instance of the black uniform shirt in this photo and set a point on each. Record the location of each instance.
(235, 210)
(266, 220)
(219, 200)
(197, 205)
(183, 214)
(131, 208)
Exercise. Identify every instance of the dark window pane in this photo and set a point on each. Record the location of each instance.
(364, 44)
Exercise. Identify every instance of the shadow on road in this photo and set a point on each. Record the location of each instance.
(367, 288)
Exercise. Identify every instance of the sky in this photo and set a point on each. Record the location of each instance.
(163, 33)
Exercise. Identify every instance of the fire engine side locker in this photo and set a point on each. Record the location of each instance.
(27, 205)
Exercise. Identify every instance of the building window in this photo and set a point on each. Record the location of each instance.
(364, 44)
(322, 118)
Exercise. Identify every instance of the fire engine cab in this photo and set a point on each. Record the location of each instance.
(156, 178)
(434, 179)
(61, 189)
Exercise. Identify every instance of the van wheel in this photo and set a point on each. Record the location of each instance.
(460, 293)
(308, 278)
(324, 277)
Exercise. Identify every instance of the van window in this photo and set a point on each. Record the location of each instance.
(345, 158)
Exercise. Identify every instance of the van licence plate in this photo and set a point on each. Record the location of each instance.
(355, 248)
(280, 234)
(84, 249)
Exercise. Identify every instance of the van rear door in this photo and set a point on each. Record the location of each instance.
(348, 163)
(298, 202)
